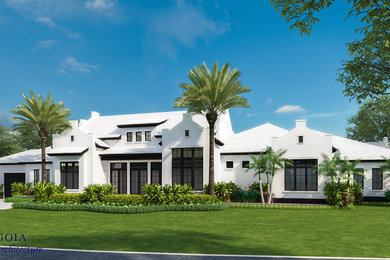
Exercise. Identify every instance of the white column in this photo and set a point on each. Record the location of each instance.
(149, 172)
(128, 177)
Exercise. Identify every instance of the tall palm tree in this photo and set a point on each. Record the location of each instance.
(330, 167)
(43, 117)
(210, 94)
(274, 163)
(259, 165)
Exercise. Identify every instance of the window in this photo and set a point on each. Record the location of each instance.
(229, 164)
(301, 176)
(129, 137)
(36, 176)
(138, 136)
(156, 173)
(118, 177)
(72, 138)
(300, 139)
(245, 164)
(148, 136)
(47, 175)
(187, 167)
(70, 174)
(187, 132)
(359, 179)
(377, 179)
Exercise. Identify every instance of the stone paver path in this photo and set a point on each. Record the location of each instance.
(5, 205)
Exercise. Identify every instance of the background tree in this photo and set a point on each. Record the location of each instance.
(9, 143)
(210, 94)
(30, 140)
(42, 117)
(372, 121)
(366, 74)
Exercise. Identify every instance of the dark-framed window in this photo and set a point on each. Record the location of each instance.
(187, 167)
(148, 136)
(377, 179)
(245, 164)
(36, 176)
(301, 176)
(138, 136)
(300, 139)
(72, 138)
(156, 176)
(187, 132)
(229, 164)
(118, 177)
(129, 136)
(47, 175)
(70, 174)
(359, 179)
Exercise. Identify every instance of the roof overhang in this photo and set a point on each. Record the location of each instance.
(218, 142)
(131, 156)
(66, 152)
(110, 137)
(23, 163)
(141, 124)
(241, 153)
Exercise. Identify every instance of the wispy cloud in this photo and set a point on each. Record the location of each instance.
(251, 115)
(99, 5)
(44, 44)
(330, 114)
(181, 24)
(71, 64)
(290, 109)
(47, 21)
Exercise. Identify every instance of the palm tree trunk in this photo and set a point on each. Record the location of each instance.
(211, 119)
(43, 154)
(261, 190)
(270, 191)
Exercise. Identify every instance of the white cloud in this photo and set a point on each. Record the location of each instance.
(44, 44)
(181, 24)
(47, 21)
(290, 109)
(99, 5)
(251, 115)
(70, 64)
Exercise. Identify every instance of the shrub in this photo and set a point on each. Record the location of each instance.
(200, 199)
(245, 196)
(255, 186)
(19, 199)
(357, 193)
(123, 199)
(339, 194)
(43, 190)
(19, 188)
(222, 190)
(118, 209)
(95, 192)
(155, 194)
(1, 190)
(387, 194)
(67, 198)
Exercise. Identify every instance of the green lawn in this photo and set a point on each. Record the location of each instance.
(363, 232)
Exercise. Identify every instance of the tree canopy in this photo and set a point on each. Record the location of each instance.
(372, 122)
(9, 142)
(367, 73)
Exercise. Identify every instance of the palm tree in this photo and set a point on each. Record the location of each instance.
(386, 167)
(348, 170)
(210, 94)
(330, 167)
(42, 117)
(274, 163)
(259, 166)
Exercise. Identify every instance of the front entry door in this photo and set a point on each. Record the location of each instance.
(138, 177)
(10, 178)
(118, 177)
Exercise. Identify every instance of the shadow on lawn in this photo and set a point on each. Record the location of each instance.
(165, 240)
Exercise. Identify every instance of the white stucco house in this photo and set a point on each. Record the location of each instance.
(172, 147)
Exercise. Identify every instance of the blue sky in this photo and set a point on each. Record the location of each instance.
(119, 57)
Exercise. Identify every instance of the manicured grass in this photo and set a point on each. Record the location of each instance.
(364, 232)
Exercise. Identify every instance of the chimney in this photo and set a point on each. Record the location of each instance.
(94, 114)
(187, 116)
(386, 141)
(300, 123)
(74, 123)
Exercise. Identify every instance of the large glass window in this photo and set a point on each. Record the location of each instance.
(377, 179)
(301, 176)
(36, 176)
(359, 179)
(187, 167)
(70, 174)
(48, 175)
(148, 136)
(156, 175)
(118, 177)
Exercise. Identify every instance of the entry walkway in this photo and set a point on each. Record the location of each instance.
(5, 205)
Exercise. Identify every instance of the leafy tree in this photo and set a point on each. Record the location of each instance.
(42, 117)
(259, 165)
(366, 75)
(210, 94)
(386, 167)
(372, 121)
(30, 140)
(8, 142)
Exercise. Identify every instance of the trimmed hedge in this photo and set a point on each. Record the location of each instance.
(67, 198)
(19, 199)
(272, 206)
(124, 199)
(118, 209)
(200, 199)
